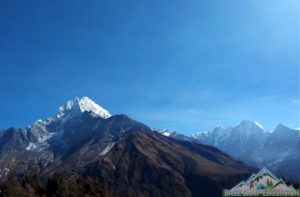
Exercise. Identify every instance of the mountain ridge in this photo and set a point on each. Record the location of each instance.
(124, 154)
(277, 150)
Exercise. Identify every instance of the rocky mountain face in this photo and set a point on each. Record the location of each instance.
(126, 155)
(251, 143)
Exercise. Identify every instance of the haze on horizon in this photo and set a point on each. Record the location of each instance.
(186, 66)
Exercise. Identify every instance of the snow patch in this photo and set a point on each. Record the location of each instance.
(31, 146)
(166, 133)
(259, 125)
(107, 148)
(42, 139)
(4, 172)
(199, 134)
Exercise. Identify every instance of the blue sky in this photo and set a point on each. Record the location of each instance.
(184, 65)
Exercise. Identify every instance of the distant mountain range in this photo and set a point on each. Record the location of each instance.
(126, 155)
(251, 143)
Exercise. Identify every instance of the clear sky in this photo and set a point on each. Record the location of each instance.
(183, 65)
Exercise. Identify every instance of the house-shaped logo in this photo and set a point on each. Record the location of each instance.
(264, 183)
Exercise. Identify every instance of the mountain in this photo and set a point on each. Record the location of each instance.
(252, 144)
(172, 134)
(125, 155)
(282, 151)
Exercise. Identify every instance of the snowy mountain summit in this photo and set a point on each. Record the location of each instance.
(42, 130)
(78, 106)
(247, 126)
(254, 145)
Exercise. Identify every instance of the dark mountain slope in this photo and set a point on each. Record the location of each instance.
(148, 163)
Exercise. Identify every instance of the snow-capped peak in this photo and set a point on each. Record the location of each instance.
(81, 105)
(251, 126)
(199, 134)
(165, 132)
